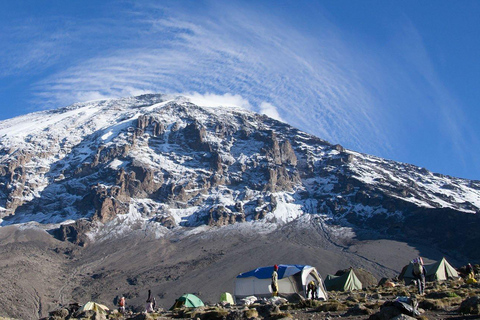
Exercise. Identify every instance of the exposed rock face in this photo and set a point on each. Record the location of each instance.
(177, 164)
(75, 233)
(221, 216)
(107, 203)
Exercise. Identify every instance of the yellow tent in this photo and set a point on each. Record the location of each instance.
(97, 307)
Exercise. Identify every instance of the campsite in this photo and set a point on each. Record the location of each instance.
(190, 267)
(448, 296)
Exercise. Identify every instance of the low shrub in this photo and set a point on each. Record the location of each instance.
(432, 304)
(332, 306)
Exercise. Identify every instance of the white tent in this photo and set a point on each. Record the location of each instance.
(97, 307)
(291, 279)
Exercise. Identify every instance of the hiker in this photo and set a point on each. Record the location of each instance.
(313, 288)
(470, 271)
(419, 273)
(275, 281)
(470, 278)
(149, 306)
(121, 305)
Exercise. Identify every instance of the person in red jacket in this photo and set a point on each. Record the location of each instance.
(121, 305)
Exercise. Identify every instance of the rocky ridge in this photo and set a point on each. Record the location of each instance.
(162, 163)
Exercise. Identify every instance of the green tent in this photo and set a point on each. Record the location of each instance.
(346, 282)
(438, 271)
(189, 301)
(226, 298)
(441, 270)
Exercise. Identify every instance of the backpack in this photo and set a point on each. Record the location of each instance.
(417, 269)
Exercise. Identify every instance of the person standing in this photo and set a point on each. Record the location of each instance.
(149, 302)
(419, 272)
(121, 305)
(312, 287)
(470, 271)
(275, 281)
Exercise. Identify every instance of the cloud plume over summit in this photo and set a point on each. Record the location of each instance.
(364, 79)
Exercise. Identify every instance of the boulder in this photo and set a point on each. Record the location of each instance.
(386, 313)
(470, 305)
(403, 317)
(59, 314)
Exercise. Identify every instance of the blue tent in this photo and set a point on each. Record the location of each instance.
(292, 279)
(284, 271)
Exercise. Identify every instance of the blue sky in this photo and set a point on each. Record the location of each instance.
(396, 79)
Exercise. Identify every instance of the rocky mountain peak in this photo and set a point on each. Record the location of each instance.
(163, 163)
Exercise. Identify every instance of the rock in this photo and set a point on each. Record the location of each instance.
(75, 232)
(215, 314)
(359, 309)
(166, 221)
(377, 296)
(386, 313)
(294, 298)
(140, 316)
(470, 305)
(251, 313)
(91, 315)
(59, 314)
(403, 317)
(266, 311)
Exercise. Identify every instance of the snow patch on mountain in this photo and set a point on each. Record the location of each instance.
(418, 185)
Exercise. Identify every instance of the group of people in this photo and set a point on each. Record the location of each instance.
(150, 304)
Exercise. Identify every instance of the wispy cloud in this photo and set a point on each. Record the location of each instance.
(312, 82)
(270, 110)
(217, 100)
(326, 82)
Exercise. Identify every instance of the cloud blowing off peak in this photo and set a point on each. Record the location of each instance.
(370, 92)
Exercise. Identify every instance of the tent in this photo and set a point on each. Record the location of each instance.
(226, 297)
(189, 301)
(97, 307)
(346, 282)
(438, 271)
(292, 279)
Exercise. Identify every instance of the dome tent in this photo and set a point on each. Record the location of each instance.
(188, 301)
(292, 279)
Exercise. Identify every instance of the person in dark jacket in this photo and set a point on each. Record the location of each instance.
(312, 287)
(149, 305)
(419, 272)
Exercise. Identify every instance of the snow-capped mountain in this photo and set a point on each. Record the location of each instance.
(163, 163)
